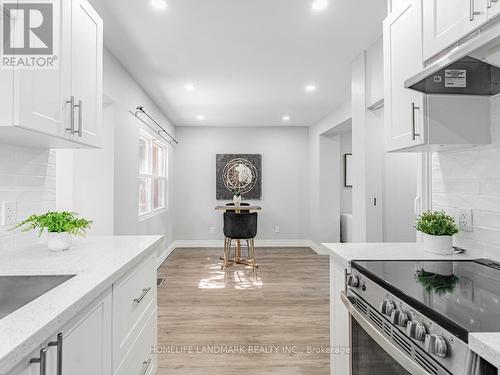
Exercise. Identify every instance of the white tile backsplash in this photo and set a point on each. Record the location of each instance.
(470, 178)
(27, 176)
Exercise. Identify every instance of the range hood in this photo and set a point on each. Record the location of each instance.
(472, 68)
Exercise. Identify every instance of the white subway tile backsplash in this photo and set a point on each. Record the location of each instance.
(27, 176)
(470, 178)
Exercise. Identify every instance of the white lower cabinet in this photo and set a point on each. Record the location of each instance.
(114, 335)
(134, 318)
(87, 342)
(141, 358)
(339, 321)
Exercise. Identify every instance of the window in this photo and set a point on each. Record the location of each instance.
(152, 175)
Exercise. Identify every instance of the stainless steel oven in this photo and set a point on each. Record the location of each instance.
(390, 336)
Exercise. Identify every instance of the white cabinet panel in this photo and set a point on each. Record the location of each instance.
(86, 77)
(140, 359)
(41, 95)
(35, 108)
(87, 341)
(402, 58)
(339, 321)
(447, 21)
(134, 295)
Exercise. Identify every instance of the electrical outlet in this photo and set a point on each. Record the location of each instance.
(9, 213)
(276, 229)
(465, 220)
(212, 230)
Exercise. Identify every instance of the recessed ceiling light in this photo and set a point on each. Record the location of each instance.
(310, 88)
(189, 86)
(159, 4)
(286, 118)
(319, 5)
(200, 118)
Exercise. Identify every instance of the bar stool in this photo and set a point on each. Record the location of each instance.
(238, 227)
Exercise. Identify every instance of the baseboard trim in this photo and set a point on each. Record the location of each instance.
(164, 255)
(317, 248)
(258, 243)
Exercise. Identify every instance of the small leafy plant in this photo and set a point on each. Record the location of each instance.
(56, 222)
(436, 223)
(439, 284)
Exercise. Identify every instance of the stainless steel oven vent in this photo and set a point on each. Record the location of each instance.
(467, 76)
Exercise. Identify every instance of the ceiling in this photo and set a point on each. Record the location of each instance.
(248, 60)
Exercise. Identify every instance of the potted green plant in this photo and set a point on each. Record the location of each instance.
(60, 226)
(437, 230)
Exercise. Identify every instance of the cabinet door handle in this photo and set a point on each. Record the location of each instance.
(59, 345)
(80, 118)
(71, 102)
(42, 360)
(414, 133)
(145, 366)
(141, 297)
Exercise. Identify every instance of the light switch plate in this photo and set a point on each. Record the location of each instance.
(276, 229)
(465, 220)
(9, 213)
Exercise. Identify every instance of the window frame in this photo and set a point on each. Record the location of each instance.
(151, 176)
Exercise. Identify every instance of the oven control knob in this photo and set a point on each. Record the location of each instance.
(415, 330)
(399, 318)
(436, 345)
(387, 307)
(353, 281)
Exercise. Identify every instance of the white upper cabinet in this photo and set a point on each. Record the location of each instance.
(41, 94)
(402, 58)
(41, 107)
(415, 121)
(447, 21)
(86, 77)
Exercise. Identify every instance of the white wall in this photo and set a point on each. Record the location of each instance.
(103, 184)
(325, 219)
(27, 176)
(470, 178)
(284, 180)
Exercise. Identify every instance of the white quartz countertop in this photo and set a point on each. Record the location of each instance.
(96, 261)
(486, 345)
(343, 253)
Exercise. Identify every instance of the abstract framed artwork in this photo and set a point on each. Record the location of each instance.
(238, 172)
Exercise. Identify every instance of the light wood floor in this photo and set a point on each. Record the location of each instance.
(278, 314)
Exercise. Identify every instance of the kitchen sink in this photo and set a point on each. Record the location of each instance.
(17, 291)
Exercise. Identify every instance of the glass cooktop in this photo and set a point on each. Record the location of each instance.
(463, 294)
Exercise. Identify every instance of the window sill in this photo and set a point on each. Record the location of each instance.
(150, 215)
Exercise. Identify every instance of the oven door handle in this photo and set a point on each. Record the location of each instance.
(406, 362)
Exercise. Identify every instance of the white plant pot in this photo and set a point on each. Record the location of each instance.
(59, 241)
(237, 200)
(441, 245)
(440, 268)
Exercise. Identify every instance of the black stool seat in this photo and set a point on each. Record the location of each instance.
(241, 226)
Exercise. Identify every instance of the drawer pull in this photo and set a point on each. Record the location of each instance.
(141, 297)
(145, 366)
(42, 360)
